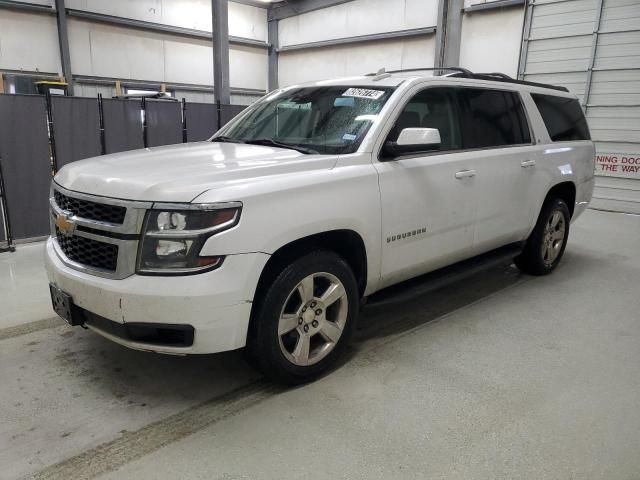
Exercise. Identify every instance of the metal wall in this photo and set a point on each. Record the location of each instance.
(593, 48)
(356, 37)
(490, 40)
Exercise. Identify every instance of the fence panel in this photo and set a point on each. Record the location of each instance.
(122, 125)
(164, 122)
(202, 121)
(76, 128)
(26, 165)
(227, 112)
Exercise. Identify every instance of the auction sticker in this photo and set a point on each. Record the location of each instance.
(363, 93)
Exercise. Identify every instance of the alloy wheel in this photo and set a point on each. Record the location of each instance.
(313, 319)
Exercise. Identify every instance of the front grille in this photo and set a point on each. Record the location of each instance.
(90, 210)
(89, 252)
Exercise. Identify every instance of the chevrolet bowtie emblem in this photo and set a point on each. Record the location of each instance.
(65, 225)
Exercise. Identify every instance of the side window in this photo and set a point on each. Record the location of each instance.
(563, 117)
(493, 118)
(432, 108)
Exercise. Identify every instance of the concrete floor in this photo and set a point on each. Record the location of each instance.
(499, 376)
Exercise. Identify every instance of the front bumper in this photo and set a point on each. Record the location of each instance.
(216, 304)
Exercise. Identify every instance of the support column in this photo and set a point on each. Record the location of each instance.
(453, 33)
(272, 32)
(220, 37)
(63, 41)
(526, 33)
(449, 33)
(592, 56)
(441, 31)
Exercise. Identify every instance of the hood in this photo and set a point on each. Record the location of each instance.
(180, 173)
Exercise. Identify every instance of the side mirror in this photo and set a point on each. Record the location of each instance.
(413, 140)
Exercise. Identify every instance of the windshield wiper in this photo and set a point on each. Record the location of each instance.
(273, 143)
(224, 139)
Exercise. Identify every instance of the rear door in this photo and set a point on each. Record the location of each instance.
(497, 134)
(428, 199)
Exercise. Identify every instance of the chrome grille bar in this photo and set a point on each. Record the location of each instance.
(119, 237)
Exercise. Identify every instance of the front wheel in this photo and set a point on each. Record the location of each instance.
(545, 246)
(305, 319)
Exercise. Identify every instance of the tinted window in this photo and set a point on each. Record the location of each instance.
(563, 117)
(492, 118)
(432, 108)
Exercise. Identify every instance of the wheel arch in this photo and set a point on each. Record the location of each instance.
(347, 243)
(566, 191)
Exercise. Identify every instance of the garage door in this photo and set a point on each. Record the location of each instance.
(593, 48)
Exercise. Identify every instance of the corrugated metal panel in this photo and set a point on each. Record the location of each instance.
(619, 15)
(558, 55)
(574, 81)
(614, 106)
(616, 194)
(618, 50)
(615, 124)
(615, 87)
(593, 48)
(563, 19)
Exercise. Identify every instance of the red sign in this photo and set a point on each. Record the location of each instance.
(618, 165)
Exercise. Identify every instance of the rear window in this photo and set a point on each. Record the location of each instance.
(492, 118)
(563, 117)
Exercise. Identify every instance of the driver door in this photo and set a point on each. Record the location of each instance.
(428, 199)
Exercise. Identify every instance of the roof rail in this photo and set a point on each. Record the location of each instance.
(501, 77)
(464, 73)
(460, 70)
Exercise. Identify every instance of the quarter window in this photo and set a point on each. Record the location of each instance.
(563, 117)
(492, 118)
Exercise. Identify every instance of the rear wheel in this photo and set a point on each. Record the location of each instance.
(305, 319)
(545, 246)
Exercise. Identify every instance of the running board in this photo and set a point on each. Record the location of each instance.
(445, 276)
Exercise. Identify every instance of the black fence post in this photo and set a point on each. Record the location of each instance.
(219, 112)
(103, 142)
(5, 215)
(184, 121)
(52, 140)
(143, 106)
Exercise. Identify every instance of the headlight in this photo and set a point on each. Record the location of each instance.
(173, 236)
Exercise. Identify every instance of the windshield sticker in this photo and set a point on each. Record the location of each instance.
(349, 137)
(363, 93)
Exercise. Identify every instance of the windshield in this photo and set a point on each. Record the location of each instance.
(332, 119)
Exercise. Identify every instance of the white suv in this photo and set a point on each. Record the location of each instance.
(272, 233)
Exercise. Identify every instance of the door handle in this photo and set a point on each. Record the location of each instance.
(527, 163)
(465, 174)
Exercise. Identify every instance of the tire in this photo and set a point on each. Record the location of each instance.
(545, 246)
(305, 319)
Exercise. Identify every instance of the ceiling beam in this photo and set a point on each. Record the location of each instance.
(31, 7)
(494, 4)
(291, 9)
(413, 32)
(253, 3)
(159, 27)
